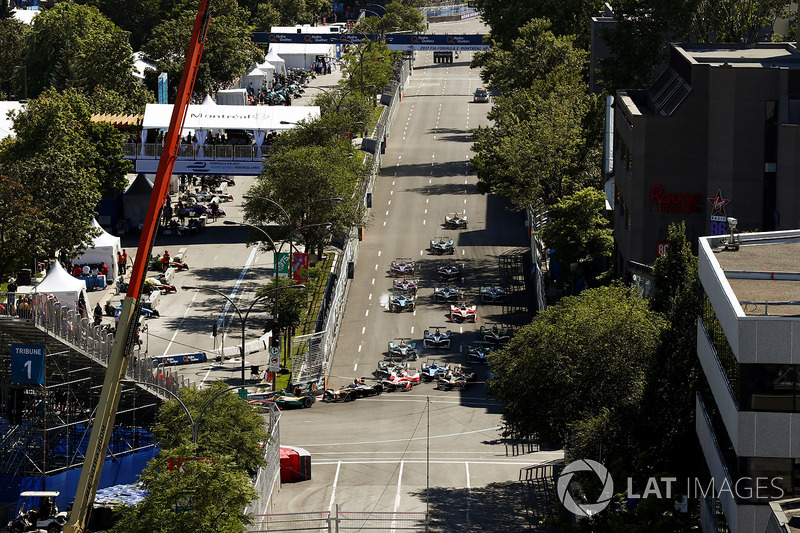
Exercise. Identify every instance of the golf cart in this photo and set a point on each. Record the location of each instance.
(38, 511)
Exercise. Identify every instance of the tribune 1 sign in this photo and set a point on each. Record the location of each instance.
(27, 364)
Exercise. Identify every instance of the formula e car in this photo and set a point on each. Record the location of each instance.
(285, 400)
(478, 351)
(442, 245)
(445, 294)
(436, 338)
(402, 266)
(456, 379)
(449, 271)
(154, 284)
(357, 389)
(430, 371)
(406, 284)
(455, 221)
(496, 333)
(401, 380)
(403, 349)
(492, 294)
(387, 368)
(401, 301)
(463, 312)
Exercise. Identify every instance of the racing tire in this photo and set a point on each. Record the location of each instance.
(350, 397)
(307, 402)
(54, 528)
(16, 528)
(327, 396)
(378, 389)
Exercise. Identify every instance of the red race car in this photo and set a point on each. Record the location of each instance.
(463, 312)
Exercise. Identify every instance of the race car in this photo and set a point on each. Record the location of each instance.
(456, 379)
(387, 368)
(400, 380)
(449, 271)
(401, 301)
(357, 389)
(436, 338)
(154, 284)
(492, 294)
(402, 266)
(403, 349)
(406, 284)
(445, 294)
(442, 245)
(285, 400)
(430, 371)
(478, 351)
(496, 333)
(455, 221)
(463, 312)
(156, 264)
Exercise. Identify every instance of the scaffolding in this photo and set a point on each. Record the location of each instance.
(45, 428)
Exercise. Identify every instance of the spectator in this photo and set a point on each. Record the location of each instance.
(86, 270)
(165, 261)
(120, 263)
(98, 314)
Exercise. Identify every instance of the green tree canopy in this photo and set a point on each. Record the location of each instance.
(21, 220)
(578, 230)
(228, 426)
(368, 64)
(12, 33)
(228, 53)
(75, 46)
(137, 17)
(583, 355)
(534, 55)
(189, 492)
(65, 162)
(537, 149)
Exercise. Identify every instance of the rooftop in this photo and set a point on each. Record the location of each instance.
(761, 55)
(764, 272)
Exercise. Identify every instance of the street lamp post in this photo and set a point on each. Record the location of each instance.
(243, 318)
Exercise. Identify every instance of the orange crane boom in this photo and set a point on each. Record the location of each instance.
(131, 306)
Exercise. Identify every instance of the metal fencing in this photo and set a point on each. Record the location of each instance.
(268, 475)
(341, 522)
(80, 334)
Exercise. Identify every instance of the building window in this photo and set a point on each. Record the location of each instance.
(770, 387)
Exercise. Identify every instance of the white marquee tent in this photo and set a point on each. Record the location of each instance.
(251, 117)
(258, 75)
(275, 60)
(60, 284)
(105, 248)
(302, 55)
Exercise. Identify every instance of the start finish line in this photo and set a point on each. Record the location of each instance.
(395, 41)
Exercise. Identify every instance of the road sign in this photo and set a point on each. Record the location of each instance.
(274, 350)
(274, 363)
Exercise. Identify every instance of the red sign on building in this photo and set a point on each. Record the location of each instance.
(676, 203)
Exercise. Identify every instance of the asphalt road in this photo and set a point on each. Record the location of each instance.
(439, 450)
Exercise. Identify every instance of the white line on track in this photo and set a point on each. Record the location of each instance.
(373, 281)
(412, 330)
(391, 193)
(461, 329)
(423, 461)
(376, 267)
(415, 312)
(392, 182)
(333, 488)
(429, 181)
(423, 222)
(370, 296)
(399, 487)
(359, 348)
(387, 211)
(355, 367)
(422, 252)
(448, 435)
(363, 329)
(390, 202)
(426, 211)
(384, 222)
(366, 313)
(427, 199)
(379, 253)
(469, 493)
(463, 251)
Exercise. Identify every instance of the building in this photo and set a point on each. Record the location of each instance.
(715, 136)
(748, 408)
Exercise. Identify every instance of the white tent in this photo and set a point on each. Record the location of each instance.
(105, 248)
(252, 117)
(60, 284)
(231, 97)
(274, 59)
(257, 76)
(301, 55)
(6, 126)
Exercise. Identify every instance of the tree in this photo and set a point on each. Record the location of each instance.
(266, 17)
(137, 17)
(288, 305)
(583, 355)
(368, 64)
(75, 46)
(569, 17)
(11, 40)
(6, 12)
(21, 218)
(302, 180)
(402, 17)
(537, 149)
(534, 55)
(189, 492)
(228, 52)
(578, 230)
(65, 162)
(227, 427)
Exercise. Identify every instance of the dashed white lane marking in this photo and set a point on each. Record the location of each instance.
(423, 222)
(430, 181)
(421, 252)
(391, 193)
(384, 222)
(415, 312)
(399, 157)
(427, 199)
(359, 348)
(355, 367)
(363, 329)
(460, 328)
(426, 211)
(333, 489)
(412, 330)
(376, 267)
(366, 313)
(379, 253)
(387, 211)
(373, 281)
(370, 296)
(463, 251)
(465, 201)
(392, 182)
(390, 202)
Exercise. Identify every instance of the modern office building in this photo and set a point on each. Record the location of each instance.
(716, 135)
(748, 406)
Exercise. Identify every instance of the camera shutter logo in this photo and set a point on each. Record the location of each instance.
(584, 509)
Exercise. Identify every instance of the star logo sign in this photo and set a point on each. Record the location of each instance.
(718, 204)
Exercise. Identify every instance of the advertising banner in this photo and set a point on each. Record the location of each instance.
(27, 364)
(282, 264)
(300, 268)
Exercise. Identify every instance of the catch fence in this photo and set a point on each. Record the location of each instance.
(268, 475)
(341, 522)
